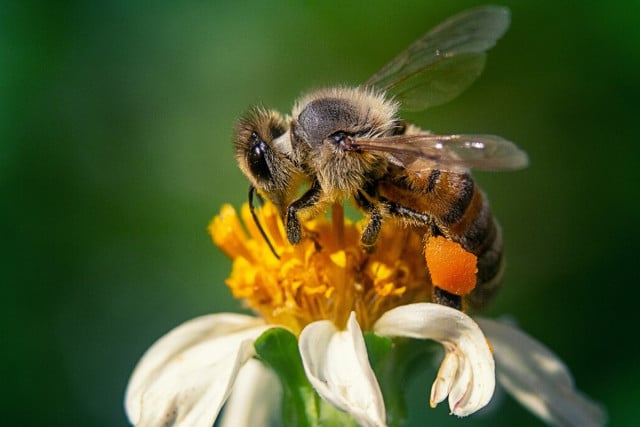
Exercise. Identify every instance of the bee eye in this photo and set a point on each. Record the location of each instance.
(256, 157)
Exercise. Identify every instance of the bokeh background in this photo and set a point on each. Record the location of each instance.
(115, 128)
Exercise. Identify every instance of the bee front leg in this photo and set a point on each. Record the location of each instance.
(309, 198)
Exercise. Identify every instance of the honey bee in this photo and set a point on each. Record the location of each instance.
(350, 143)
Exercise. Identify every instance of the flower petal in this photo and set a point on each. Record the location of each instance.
(444, 381)
(337, 366)
(469, 379)
(185, 377)
(538, 379)
(257, 388)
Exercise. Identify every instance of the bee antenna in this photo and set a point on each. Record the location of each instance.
(252, 209)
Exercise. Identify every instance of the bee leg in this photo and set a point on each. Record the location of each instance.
(309, 198)
(440, 296)
(411, 217)
(372, 229)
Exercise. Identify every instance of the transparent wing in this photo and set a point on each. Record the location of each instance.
(445, 61)
(447, 152)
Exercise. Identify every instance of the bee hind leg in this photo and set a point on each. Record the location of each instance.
(440, 296)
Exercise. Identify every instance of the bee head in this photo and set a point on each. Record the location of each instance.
(260, 156)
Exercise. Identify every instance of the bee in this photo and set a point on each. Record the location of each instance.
(350, 143)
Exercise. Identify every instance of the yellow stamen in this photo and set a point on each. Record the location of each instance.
(327, 275)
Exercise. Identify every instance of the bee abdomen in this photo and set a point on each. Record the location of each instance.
(479, 233)
(451, 205)
(470, 222)
(464, 190)
(490, 271)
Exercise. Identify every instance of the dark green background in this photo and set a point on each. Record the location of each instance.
(115, 123)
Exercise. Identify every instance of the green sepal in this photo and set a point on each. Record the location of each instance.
(278, 349)
(378, 348)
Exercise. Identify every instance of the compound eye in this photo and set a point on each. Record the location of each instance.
(256, 157)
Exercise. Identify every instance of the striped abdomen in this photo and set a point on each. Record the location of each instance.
(451, 205)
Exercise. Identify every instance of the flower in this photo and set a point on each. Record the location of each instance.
(327, 291)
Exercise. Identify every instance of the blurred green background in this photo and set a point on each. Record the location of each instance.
(115, 127)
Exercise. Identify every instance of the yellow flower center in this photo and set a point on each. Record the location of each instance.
(327, 275)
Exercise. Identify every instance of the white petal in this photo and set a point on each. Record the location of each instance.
(255, 399)
(337, 366)
(538, 379)
(473, 384)
(185, 377)
(444, 381)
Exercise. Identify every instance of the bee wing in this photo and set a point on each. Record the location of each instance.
(453, 153)
(445, 61)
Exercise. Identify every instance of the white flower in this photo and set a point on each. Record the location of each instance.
(185, 378)
(326, 290)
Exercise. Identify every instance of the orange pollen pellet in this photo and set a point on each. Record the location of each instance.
(452, 268)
